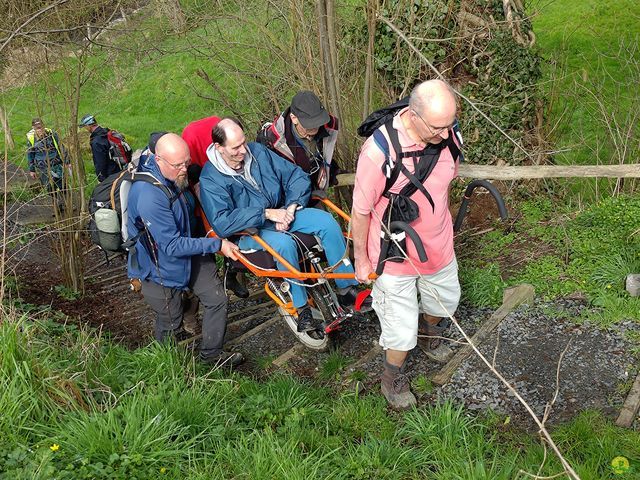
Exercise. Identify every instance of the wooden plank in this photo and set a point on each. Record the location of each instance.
(119, 268)
(103, 263)
(266, 311)
(251, 308)
(252, 296)
(513, 297)
(29, 215)
(504, 172)
(631, 406)
(17, 177)
(373, 352)
(253, 331)
(118, 278)
(288, 355)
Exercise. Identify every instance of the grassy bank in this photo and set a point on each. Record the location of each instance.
(76, 406)
(562, 252)
(591, 77)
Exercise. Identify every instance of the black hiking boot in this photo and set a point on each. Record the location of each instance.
(348, 297)
(223, 359)
(305, 319)
(232, 283)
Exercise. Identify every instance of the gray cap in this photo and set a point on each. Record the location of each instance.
(307, 107)
(87, 120)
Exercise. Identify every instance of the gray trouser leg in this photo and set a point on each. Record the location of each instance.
(167, 303)
(208, 287)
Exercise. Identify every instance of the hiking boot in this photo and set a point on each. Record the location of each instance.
(232, 283)
(223, 359)
(395, 388)
(348, 298)
(434, 348)
(190, 307)
(305, 320)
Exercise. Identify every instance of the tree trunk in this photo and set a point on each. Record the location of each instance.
(8, 138)
(372, 9)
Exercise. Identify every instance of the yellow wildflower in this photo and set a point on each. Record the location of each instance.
(55, 447)
(163, 470)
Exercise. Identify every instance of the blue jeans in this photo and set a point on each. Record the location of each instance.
(315, 222)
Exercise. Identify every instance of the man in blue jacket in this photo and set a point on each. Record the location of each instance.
(168, 261)
(100, 147)
(247, 185)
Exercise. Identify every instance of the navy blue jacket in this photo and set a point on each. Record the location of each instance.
(167, 236)
(100, 149)
(232, 204)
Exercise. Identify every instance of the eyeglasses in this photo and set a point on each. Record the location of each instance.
(177, 166)
(434, 131)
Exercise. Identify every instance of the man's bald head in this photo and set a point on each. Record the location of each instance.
(229, 141)
(433, 96)
(171, 144)
(433, 104)
(172, 156)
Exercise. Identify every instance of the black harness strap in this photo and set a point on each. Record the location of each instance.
(402, 210)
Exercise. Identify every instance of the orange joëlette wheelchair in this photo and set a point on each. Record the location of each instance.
(312, 272)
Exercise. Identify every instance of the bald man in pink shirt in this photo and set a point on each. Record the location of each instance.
(427, 122)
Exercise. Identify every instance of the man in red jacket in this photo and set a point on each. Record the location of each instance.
(197, 134)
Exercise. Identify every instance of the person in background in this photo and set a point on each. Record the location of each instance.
(46, 156)
(305, 134)
(103, 162)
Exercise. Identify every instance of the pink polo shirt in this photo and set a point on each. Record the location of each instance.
(434, 227)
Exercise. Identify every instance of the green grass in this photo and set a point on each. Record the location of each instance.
(76, 406)
(592, 56)
(590, 252)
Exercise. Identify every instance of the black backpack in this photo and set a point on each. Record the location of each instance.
(108, 208)
(401, 207)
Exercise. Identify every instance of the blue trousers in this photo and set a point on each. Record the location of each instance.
(315, 222)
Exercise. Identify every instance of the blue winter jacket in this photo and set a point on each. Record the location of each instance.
(100, 147)
(232, 204)
(167, 235)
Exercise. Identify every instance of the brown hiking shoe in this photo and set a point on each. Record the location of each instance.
(395, 388)
(190, 321)
(434, 348)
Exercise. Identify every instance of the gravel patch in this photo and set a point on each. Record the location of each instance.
(595, 373)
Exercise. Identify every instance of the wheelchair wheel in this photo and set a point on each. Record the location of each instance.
(316, 340)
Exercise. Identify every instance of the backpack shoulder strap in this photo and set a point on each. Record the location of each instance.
(149, 178)
(114, 186)
(391, 167)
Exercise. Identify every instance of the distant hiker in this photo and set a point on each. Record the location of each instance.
(247, 185)
(197, 134)
(423, 128)
(168, 261)
(46, 156)
(110, 150)
(306, 135)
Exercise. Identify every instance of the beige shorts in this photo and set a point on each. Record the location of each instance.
(395, 300)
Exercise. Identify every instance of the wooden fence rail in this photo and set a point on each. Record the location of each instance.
(494, 172)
